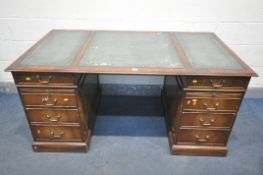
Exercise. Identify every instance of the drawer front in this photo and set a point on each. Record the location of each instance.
(211, 104)
(196, 119)
(225, 95)
(43, 79)
(52, 115)
(57, 133)
(239, 83)
(49, 99)
(198, 136)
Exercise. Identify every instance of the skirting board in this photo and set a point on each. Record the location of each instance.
(135, 90)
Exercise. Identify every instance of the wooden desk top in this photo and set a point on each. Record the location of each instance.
(122, 52)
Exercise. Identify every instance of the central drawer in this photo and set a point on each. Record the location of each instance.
(203, 136)
(56, 133)
(48, 97)
(43, 115)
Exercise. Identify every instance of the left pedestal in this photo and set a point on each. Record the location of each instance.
(60, 108)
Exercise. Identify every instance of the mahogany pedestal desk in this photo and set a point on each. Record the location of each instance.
(205, 82)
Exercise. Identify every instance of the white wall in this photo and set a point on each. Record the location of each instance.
(238, 22)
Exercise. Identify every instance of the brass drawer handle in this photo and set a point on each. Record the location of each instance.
(202, 140)
(54, 118)
(193, 102)
(48, 102)
(215, 85)
(194, 81)
(28, 78)
(40, 80)
(211, 108)
(58, 134)
(203, 123)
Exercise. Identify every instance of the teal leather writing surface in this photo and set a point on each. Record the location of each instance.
(59, 48)
(131, 49)
(204, 51)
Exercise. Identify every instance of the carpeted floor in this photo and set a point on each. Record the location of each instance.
(129, 143)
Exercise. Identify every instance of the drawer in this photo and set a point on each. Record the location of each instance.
(207, 119)
(48, 98)
(195, 101)
(214, 94)
(227, 83)
(40, 115)
(57, 133)
(203, 136)
(44, 79)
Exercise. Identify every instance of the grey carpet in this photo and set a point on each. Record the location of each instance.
(134, 144)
